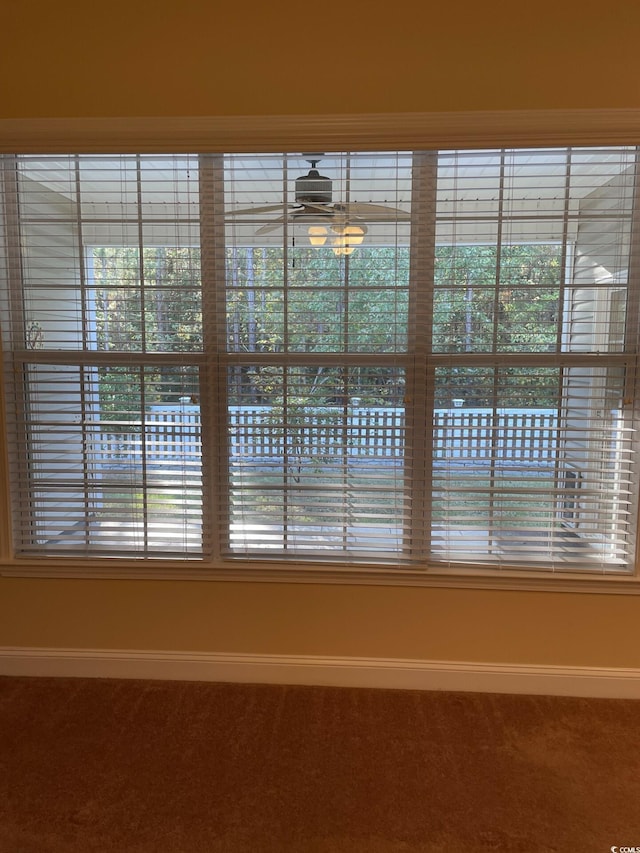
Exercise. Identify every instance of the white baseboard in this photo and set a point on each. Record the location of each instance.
(613, 683)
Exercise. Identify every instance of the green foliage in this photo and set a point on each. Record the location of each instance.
(151, 303)
(490, 302)
(301, 300)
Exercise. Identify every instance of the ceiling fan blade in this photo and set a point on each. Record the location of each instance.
(271, 226)
(376, 211)
(247, 211)
(325, 209)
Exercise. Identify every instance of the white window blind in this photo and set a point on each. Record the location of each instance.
(427, 364)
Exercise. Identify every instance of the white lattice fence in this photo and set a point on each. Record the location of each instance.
(459, 435)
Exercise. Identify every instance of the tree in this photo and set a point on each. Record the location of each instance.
(149, 303)
(311, 302)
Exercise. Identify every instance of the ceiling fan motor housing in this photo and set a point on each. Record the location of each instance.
(313, 188)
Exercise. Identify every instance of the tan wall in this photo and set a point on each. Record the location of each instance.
(325, 620)
(202, 58)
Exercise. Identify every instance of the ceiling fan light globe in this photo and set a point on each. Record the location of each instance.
(317, 235)
(354, 234)
(347, 239)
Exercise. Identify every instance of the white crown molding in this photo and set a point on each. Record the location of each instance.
(386, 673)
(332, 132)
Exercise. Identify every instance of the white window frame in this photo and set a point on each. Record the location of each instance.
(384, 132)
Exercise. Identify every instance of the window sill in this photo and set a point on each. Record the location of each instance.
(255, 571)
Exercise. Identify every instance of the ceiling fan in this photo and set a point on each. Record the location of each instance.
(314, 205)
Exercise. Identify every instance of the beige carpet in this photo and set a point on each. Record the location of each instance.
(160, 767)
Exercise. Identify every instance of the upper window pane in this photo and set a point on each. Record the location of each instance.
(532, 250)
(317, 254)
(149, 301)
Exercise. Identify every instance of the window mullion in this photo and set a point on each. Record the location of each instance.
(213, 369)
(631, 400)
(12, 395)
(420, 383)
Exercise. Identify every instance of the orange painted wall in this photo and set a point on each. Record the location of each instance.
(199, 57)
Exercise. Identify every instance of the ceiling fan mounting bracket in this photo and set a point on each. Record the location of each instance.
(313, 158)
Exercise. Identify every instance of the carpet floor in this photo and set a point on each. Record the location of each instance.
(113, 766)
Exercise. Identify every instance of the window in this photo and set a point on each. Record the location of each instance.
(411, 361)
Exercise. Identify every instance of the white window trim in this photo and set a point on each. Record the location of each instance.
(373, 131)
(537, 128)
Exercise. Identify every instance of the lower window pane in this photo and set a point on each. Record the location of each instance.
(317, 465)
(532, 465)
(113, 462)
